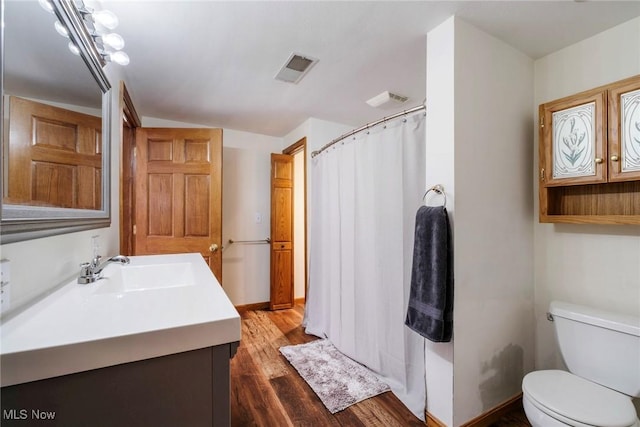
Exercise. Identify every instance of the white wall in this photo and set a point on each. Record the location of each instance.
(494, 337)
(246, 191)
(440, 170)
(318, 133)
(38, 266)
(595, 265)
(479, 97)
(249, 286)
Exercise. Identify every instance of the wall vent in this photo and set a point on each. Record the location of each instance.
(295, 68)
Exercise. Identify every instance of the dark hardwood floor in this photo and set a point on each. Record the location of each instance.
(267, 391)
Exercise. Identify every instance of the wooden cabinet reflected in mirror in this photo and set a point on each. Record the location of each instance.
(56, 156)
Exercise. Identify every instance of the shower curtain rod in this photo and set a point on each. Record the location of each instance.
(367, 126)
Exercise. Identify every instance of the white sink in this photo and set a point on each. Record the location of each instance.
(135, 278)
(154, 306)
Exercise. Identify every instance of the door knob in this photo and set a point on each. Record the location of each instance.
(598, 160)
(614, 158)
(213, 247)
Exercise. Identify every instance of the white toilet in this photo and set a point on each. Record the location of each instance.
(602, 352)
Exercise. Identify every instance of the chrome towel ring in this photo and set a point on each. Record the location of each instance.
(438, 189)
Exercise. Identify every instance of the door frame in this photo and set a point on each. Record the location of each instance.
(293, 149)
(129, 119)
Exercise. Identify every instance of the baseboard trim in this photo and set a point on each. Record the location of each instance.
(433, 421)
(263, 305)
(254, 306)
(483, 420)
(490, 417)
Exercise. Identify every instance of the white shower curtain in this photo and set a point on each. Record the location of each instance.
(365, 194)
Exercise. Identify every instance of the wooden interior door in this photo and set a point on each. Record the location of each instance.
(56, 156)
(282, 290)
(179, 193)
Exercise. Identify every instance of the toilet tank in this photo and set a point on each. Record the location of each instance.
(600, 346)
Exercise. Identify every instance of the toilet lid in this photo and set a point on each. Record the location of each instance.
(579, 399)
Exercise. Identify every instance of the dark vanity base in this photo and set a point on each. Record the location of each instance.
(184, 389)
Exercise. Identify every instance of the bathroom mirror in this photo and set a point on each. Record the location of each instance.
(55, 124)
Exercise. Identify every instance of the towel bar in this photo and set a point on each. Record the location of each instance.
(438, 189)
(250, 242)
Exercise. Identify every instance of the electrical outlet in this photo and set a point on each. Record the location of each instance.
(5, 285)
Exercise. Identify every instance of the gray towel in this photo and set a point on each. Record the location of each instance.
(430, 311)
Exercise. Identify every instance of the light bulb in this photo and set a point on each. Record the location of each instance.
(113, 40)
(106, 18)
(74, 49)
(119, 57)
(61, 29)
(46, 5)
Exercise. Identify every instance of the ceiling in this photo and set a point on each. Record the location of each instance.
(212, 63)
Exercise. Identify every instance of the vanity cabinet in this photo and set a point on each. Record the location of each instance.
(185, 389)
(589, 168)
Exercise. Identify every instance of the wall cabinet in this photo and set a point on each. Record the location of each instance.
(589, 169)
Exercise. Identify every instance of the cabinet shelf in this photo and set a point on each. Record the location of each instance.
(609, 203)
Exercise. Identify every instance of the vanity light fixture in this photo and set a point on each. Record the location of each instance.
(119, 57)
(105, 18)
(46, 5)
(61, 29)
(113, 40)
(98, 24)
(74, 49)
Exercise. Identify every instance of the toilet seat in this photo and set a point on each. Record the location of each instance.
(577, 401)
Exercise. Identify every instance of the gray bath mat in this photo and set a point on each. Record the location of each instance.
(338, 381)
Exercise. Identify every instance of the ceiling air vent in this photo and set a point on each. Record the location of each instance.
(387, 100)
(295, 68)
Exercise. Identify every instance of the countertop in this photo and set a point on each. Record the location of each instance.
(83, 327)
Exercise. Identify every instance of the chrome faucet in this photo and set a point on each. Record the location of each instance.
(92, 271)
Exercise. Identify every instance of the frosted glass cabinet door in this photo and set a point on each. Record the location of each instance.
(573, 144)
(624, 130)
